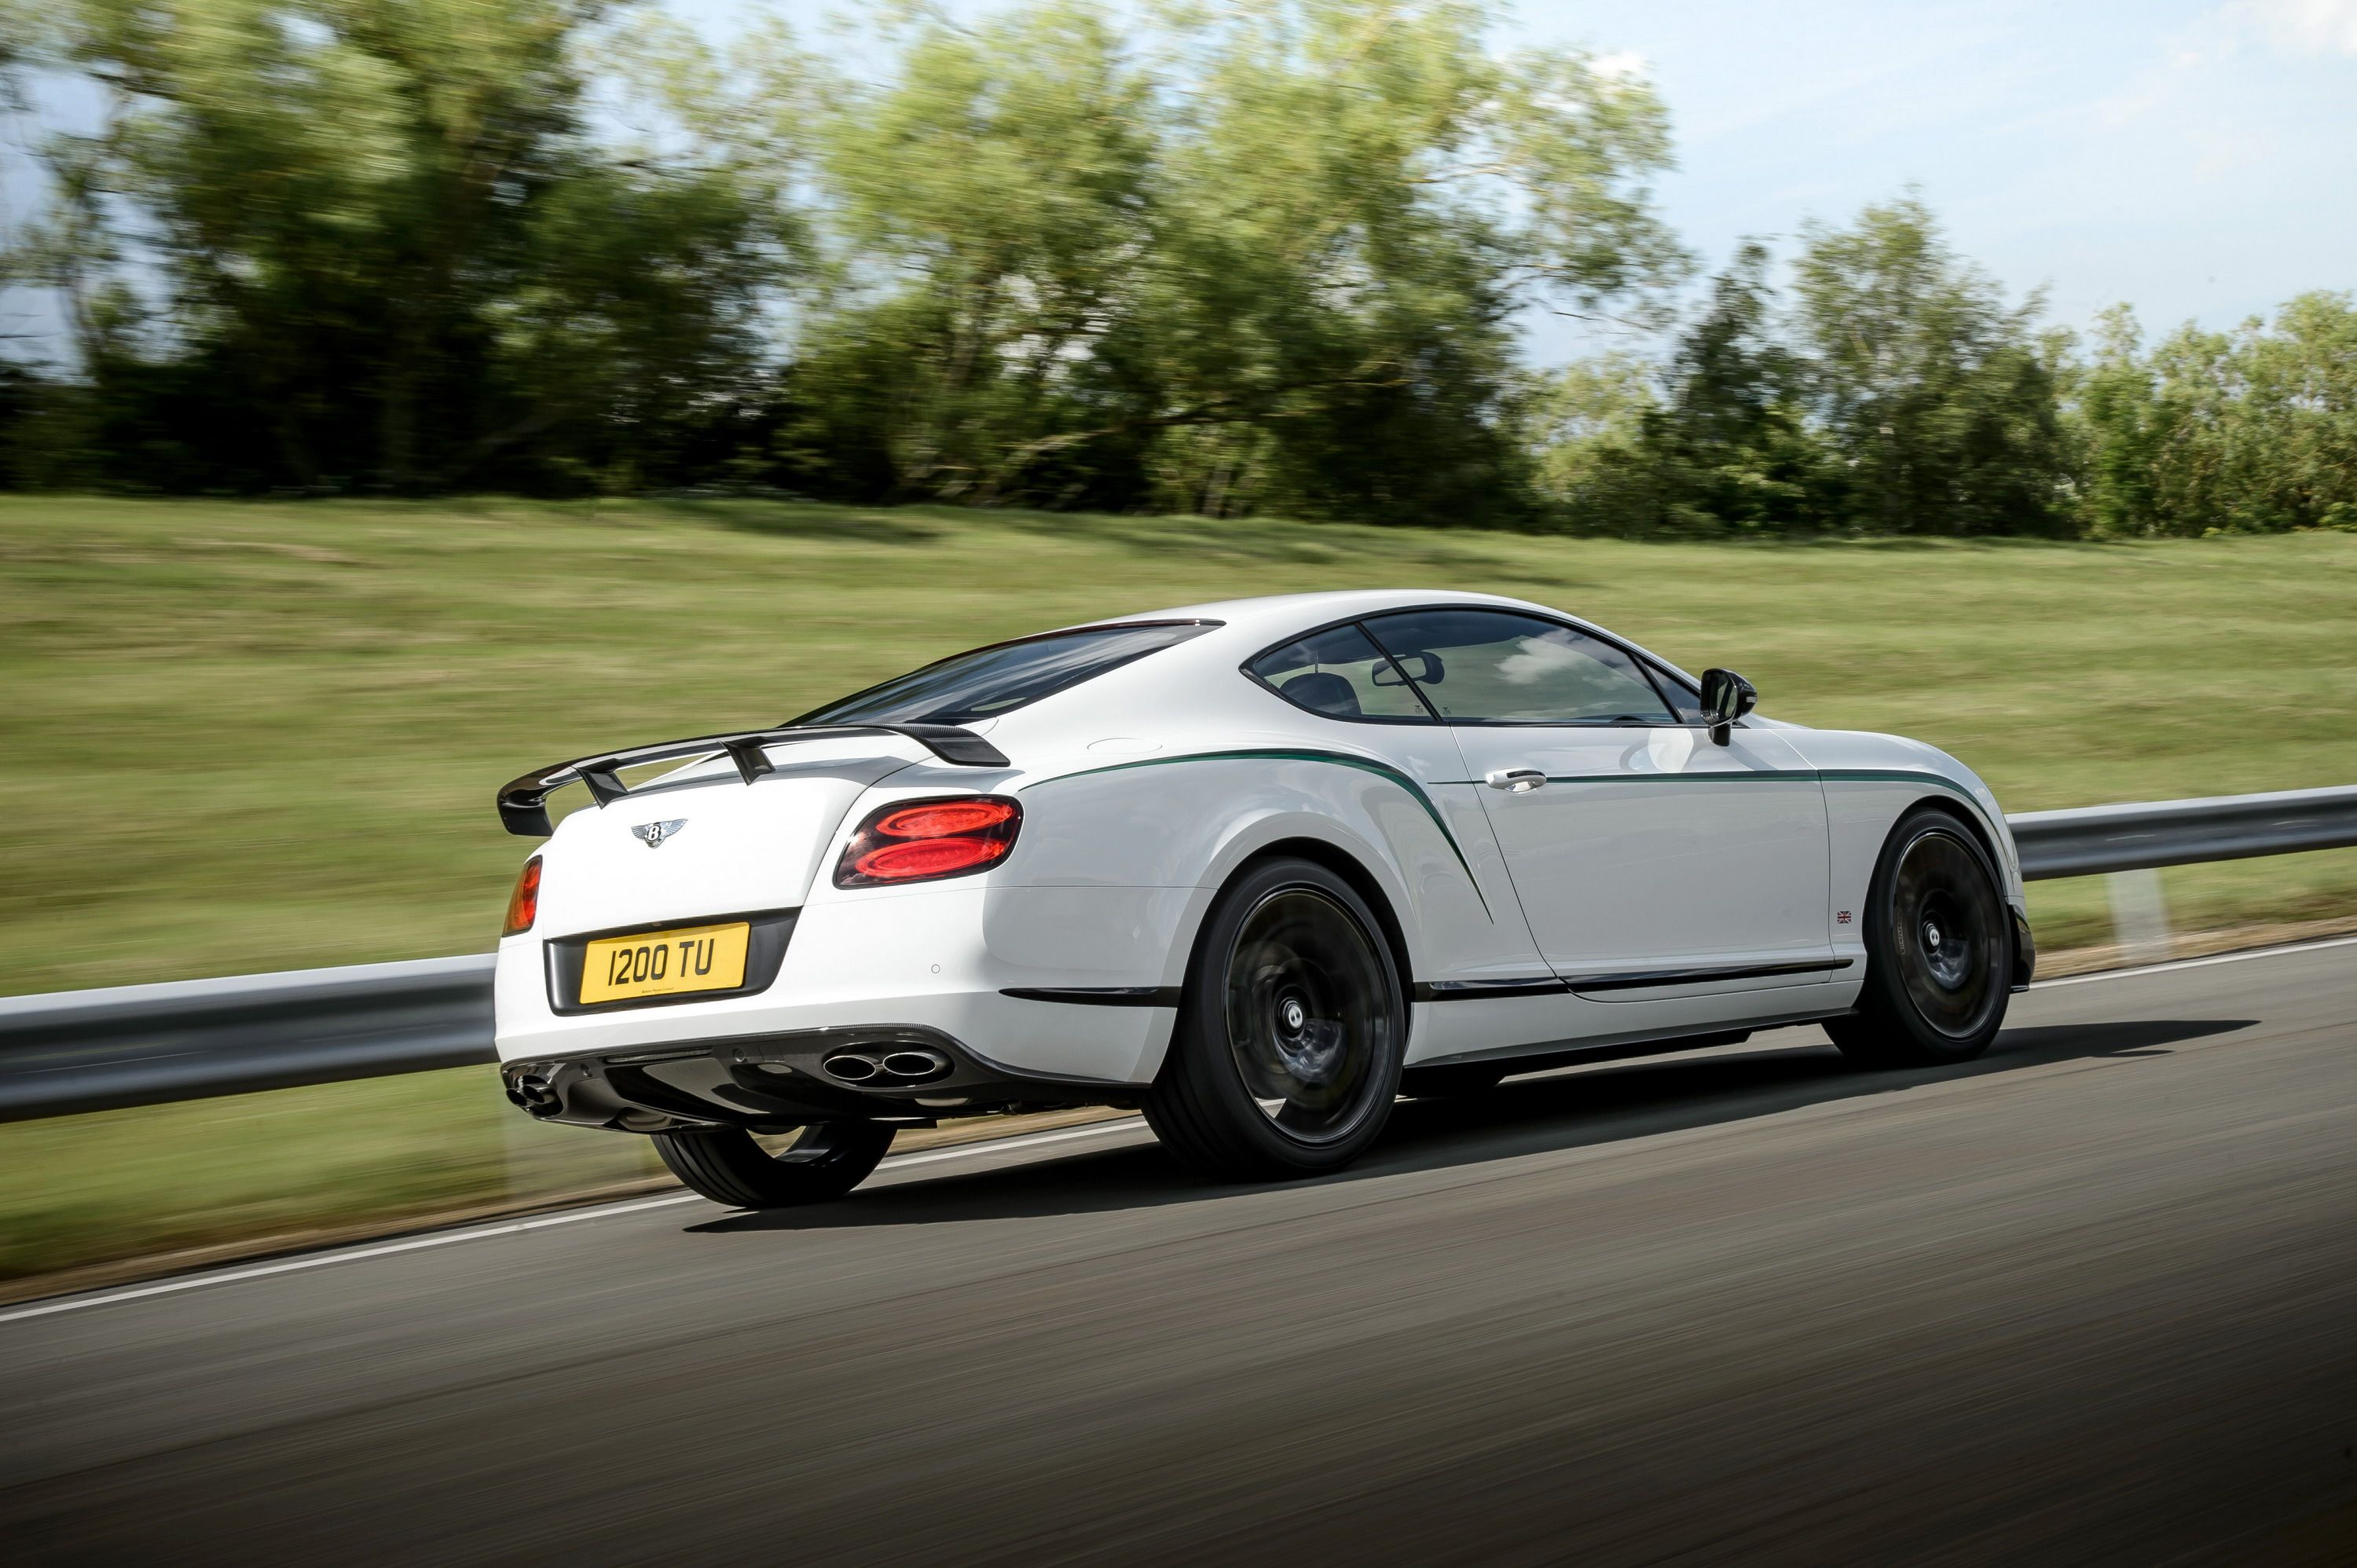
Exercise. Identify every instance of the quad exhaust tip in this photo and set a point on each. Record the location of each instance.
(535, 1093)
(889, 1069)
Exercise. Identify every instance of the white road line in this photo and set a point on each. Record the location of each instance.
(518, 1226)
(901, 1162)
(2194, 963)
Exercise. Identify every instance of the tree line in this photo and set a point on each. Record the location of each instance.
(1263, 256)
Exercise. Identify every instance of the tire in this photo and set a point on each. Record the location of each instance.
(1939, 949)
(1291, 1028)
(1451, 1079)
(728, 1167)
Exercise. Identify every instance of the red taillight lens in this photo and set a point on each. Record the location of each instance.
(523, 903)
(918, 840)
(926, 857)
(943, 818)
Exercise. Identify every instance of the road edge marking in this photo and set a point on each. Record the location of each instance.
(520, 1226)
(2177, 963)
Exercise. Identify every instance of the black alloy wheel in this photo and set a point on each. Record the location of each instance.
(1938, 942)
(826, 1160)
(1287, 1055)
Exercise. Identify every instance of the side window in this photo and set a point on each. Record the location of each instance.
(1684, 699)
(1497, 667)
(1339, 673)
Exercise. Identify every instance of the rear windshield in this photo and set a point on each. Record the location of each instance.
(999, 679)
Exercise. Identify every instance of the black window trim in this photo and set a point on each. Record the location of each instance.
(1645, 662)
(1016, 642)
(1431, 713)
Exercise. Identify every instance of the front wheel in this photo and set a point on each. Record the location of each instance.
(1287, 1055)
(724, 1164)
(1939, 951)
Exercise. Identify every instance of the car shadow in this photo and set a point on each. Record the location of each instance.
(1544, 1113)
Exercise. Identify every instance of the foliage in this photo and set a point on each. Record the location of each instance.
(1897, 394)
(1264, 256)
(2249, 431)
(1230, 258)
(1733, 446)
(1931, 388)
(387, 252)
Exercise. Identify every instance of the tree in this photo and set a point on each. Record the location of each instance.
(1585, 426)
(2116, 413)
(1361, 198)
(2247, 431)
(1731, 446)
(1264, 256)
(1933, 390)
(373, 220)
(989, 211)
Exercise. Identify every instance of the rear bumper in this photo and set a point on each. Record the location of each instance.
(2024, 952)
(765, 1082)
(936, 962)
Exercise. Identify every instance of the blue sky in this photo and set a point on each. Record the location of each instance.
(2197, 158)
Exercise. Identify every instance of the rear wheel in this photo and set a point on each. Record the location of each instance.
(726, 1164)
(1938, 947)
(1291, 1028)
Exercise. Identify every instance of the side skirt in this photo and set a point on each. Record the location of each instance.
(1542, 1057)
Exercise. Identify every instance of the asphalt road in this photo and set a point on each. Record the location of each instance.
(2092, 1299)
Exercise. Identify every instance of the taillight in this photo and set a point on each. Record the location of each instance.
(523, 903)
(922, 841)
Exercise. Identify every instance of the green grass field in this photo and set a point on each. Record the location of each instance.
(249, 737)
(253, 737)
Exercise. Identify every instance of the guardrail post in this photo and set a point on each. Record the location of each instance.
(2139, 915)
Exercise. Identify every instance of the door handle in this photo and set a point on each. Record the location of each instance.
(1514, 780)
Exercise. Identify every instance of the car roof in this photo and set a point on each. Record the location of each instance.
(1249, 626)
(1274, 614)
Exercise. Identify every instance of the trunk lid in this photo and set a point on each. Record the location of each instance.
(721, 846)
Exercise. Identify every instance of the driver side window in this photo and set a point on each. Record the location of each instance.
(1497, 667)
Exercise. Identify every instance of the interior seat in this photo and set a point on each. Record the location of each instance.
(1322, 690)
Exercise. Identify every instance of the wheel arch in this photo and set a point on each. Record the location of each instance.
(1364, 882)
(1949, 806)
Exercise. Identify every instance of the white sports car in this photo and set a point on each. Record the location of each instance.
(1256, 867)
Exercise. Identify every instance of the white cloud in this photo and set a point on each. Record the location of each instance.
(1622, 65)
(2302, 26)
(1538, 658)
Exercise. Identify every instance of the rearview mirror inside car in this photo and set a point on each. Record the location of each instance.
(1726, 697)
(1423, 666)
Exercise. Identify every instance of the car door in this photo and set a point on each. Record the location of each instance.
(1645, 856)
(1472, 934)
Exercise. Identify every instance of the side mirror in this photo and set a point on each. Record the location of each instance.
(1726, 697)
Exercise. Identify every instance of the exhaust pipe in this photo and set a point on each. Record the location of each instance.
(893, 1069)
(852, 1068)
(917, 1067)
(535, 1093)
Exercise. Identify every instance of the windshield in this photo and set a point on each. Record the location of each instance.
(999, 679)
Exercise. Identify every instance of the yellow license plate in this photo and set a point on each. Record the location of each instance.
(665, 963)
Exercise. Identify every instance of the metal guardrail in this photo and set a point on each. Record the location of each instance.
(2093, 840)
(141, 1045)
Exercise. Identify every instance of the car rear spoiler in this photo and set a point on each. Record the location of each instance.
(524, 802)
